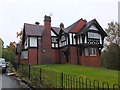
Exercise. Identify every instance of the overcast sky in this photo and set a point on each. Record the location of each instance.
(14, 13)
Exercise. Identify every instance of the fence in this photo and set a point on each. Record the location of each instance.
(53, 79)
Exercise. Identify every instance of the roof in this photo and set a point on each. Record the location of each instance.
(75, 27)
(56, 30)
(33, 29)
(85, 28)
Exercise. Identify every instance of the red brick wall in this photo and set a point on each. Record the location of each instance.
(55, 56)
(62, 56)
(39, 51)
(26, 61)
(73, 55)
(90, 60)
(32, 55)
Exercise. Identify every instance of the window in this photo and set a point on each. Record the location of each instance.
(56, 45)
(63, 38)
(52, 45)
(94, 35)
(92, 51)
(33, 41)
(54, 39)
(26, 44)
(24, 54)
(86, 52)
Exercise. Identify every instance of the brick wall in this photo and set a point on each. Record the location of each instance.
(73, 55)
(32, 55)
(55, 56)
(90, 60)
(62, 56)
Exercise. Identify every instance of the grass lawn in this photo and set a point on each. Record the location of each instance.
(93, 73)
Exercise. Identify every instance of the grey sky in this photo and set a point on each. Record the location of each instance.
(14, 13)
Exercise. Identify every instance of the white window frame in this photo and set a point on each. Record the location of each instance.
(33, 41)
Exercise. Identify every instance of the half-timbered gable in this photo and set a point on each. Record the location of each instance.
(63, 38)
(90, 40)
(54, 37)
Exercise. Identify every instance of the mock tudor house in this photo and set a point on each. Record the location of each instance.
(80, 43)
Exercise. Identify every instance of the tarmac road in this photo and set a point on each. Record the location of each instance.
(6, 82)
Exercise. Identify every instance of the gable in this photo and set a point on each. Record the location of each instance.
(93, 27)
(75, 27)
(52, 33)
(33, 30)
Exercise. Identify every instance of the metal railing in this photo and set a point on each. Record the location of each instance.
(53, 79)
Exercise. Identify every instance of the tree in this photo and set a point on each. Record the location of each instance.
(2, 42)
(110, 56)
(1, 46)
(19, 35)
(113, 32)
(12, 46)
(8, 54)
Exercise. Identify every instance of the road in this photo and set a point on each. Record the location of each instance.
(7, 82)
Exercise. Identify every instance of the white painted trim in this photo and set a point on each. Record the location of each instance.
(85, 39)
(70, 38)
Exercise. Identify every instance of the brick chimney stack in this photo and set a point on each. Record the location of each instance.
(46, 41)
(47, 22)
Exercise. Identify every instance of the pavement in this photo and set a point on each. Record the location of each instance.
(8, 82)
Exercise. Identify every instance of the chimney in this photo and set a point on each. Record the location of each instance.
(47, 22)
(85, 20)
(61, 25)
(37, 23)
(46, 41)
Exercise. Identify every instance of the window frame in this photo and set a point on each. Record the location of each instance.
(22, 57)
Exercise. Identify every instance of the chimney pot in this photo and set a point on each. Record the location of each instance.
(47, 18)
(61, 25)
(37, 23)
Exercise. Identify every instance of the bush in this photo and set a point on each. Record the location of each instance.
(111, 56)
